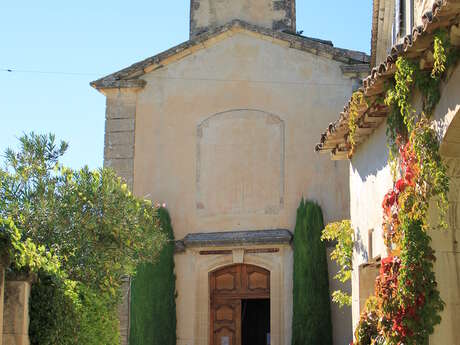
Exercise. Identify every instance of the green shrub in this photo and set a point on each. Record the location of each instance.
(312, 315)
(71, 315)
(53, 315)
(99, 318)
(153, 304)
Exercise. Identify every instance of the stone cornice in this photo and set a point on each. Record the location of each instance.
(238, 238)
(111, 83)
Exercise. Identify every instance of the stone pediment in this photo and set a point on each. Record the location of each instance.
(130, 76)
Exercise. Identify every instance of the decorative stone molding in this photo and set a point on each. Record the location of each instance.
(222, 140)
(237, 238)
(238, 256)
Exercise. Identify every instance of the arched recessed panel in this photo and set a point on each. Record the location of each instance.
(240, 163)
(257, 281)
(225, 313)
(225, 336)
(226, 282)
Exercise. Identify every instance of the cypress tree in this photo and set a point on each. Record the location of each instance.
(153, 290)
(311, 323)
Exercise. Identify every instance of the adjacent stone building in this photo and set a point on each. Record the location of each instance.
(219, 128)
(402, 28)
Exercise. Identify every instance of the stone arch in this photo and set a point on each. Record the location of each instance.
(448, 106)
(450, 144)
(445, 243)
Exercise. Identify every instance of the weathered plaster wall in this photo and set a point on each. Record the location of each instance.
(223, 137)
(240, 75)
(370, 180)
(272, 14)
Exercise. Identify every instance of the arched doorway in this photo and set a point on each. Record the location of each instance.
(240, 305)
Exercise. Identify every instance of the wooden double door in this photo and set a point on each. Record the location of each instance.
(230, 287)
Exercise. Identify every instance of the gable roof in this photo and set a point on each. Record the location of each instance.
(129, 77)
(445, 14)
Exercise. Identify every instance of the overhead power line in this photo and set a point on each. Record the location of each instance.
(255, 81)
(10, 70)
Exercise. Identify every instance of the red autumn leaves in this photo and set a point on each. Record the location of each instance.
(391, 202)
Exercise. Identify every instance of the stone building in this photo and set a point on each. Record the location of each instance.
(404, 28)
(219, 128)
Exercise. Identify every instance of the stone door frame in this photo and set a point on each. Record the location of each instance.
(280, 292)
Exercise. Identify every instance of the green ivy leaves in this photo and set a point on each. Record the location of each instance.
(342, 233)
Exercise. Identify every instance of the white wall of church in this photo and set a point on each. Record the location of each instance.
(370, 180)
(224, 137)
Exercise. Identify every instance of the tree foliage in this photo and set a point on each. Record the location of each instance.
(89, 219)
(81, 231)
(153, 300)
(312, 315)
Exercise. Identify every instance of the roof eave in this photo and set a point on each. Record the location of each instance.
(335, 140)
(314, 46)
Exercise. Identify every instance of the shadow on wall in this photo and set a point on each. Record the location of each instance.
(372, 156)
(359, 247)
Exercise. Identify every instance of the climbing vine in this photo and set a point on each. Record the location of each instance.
(342, 233)
(357, 101)
(407, 304)
(440, 45)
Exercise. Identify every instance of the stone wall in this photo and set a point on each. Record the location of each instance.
(15, 313)
(119, 132)
(119, 155)
(272, 14)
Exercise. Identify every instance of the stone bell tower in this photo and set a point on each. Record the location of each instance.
(271, 14)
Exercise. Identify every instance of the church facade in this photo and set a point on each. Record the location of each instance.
(220, 128)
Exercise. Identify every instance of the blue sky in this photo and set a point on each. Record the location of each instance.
(88, 39)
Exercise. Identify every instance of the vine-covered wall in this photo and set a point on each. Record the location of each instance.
(407, 303)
